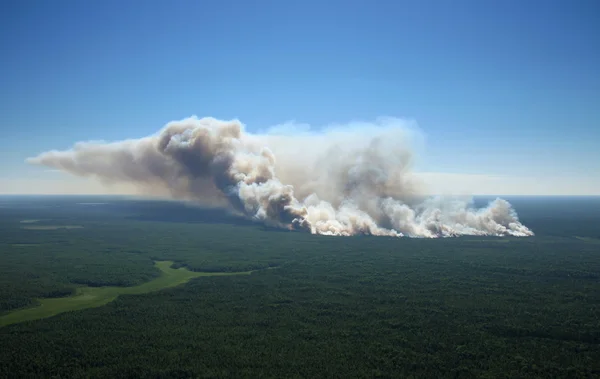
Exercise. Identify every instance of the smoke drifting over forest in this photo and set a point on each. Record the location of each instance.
(340, 181)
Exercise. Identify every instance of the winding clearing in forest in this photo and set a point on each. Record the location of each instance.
(90, 297)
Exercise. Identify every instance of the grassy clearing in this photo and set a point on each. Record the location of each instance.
(588, 239)
(89, 297)
(52, 227)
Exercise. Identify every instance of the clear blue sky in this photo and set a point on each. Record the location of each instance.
(499, 87)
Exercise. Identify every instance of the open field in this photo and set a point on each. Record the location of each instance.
(589, 239)
(52, 227)
(471, 307)
(89, 297)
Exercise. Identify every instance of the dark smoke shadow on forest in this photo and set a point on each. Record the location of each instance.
(180, 212)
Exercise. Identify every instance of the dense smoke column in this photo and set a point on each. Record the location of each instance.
(338, 182)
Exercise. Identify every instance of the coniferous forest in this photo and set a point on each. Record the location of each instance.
(312, 306)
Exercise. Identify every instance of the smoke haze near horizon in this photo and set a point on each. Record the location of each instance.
(343, 180)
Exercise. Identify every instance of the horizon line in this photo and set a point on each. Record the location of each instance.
(168, 198)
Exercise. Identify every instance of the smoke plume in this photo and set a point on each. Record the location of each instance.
(340, 181)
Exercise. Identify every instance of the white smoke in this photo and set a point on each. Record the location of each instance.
(340, 181)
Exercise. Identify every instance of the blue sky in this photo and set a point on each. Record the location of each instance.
(502, 89)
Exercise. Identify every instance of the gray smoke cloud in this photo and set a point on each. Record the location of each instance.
(339, 181)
